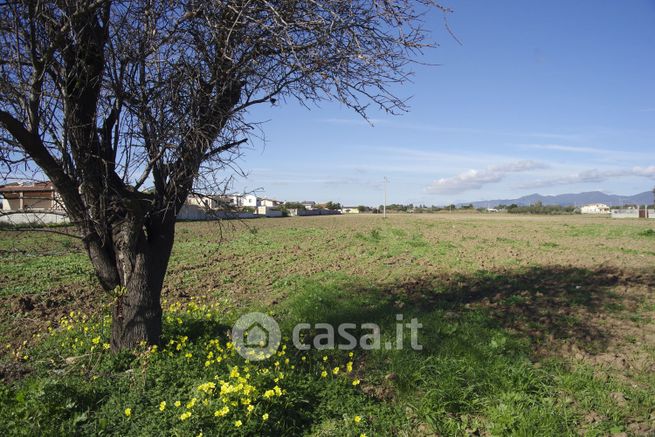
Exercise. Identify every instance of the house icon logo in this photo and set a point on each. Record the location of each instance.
(256, 336)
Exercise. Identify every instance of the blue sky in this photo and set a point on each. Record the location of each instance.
(548, 97)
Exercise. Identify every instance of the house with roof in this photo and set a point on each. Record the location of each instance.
(595, 208)
(30, 196)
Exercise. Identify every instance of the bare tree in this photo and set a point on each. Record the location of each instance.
(126, 105)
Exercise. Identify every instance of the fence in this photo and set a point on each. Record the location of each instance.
(34, 218)
(193, 212)
(313, 212)
(633, 213)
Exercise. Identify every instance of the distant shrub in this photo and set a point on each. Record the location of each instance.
(648, 233)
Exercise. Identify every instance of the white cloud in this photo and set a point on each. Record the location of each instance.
(591, 176)
(571, 149)
(475, 179)
(645, 171)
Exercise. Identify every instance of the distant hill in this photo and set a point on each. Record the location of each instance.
(571, 199)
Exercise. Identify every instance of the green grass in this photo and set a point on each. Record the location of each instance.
(491, 325)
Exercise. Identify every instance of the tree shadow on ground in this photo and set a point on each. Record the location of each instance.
(540, 303)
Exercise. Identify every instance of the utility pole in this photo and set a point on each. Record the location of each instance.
(384, 208)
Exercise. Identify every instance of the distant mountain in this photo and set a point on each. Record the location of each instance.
(578, 199)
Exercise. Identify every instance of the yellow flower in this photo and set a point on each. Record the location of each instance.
(207, 387)
(357, 419)
(178, 403)
(222, 412)
(335, 370)
(362, 435)
(162, 405)
(106, 346)
(184, 416)
(95, 340)
(323, 374)
(269, 393)
(237, 423)
(351, 354)
(250, 408)
(349, 366)
(356, 381)
(128, 412)
(265, 417)
(324, 357)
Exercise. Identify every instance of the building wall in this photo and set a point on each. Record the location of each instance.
(250, 200)
(268, 211)
(41, 200)
(266, 202)
(34, 218)
(595, 209)
(10, 204)
(193, 212)
(625, 213)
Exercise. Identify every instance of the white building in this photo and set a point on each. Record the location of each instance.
(350, 210)
(250, 200)
(203, 201)
(264, 201)
(242, 200)
(595, 208)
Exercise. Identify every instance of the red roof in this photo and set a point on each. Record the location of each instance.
(17, 187)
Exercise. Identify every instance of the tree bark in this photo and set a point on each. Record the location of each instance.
(141, 266)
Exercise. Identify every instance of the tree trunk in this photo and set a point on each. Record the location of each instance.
(137, 313)
(141, 265)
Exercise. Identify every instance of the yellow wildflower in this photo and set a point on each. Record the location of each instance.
(162, 405)
(178, 403)
(335, 370)
(128, 412)
(184, 416)
(323, 374)
(237, 423)
(357, 419)
(265, 417)
(356, 381)
(222, 412)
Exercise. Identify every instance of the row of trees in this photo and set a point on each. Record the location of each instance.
(538, 208)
